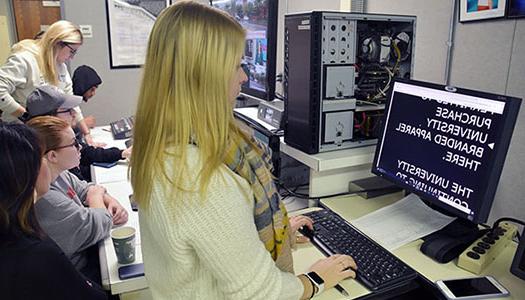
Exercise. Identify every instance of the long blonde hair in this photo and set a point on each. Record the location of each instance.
(56, 37)
(25, 45)
(193, 53)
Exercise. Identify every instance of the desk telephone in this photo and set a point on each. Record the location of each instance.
(123, 128)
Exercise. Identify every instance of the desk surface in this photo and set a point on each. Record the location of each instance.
(108, 258)
(353, 207)
(115, 181)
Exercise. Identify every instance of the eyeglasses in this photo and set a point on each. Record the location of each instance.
(66, 111)
(72, 50)
(76, 144)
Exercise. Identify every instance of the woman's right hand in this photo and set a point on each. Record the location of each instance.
(334, 269)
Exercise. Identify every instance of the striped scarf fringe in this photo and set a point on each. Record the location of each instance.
(270, 216)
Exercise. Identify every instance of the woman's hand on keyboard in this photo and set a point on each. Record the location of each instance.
(334, 269)
(297, 222)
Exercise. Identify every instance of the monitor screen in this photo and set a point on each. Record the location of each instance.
(516, 8)
(446, 144)
(259, 19)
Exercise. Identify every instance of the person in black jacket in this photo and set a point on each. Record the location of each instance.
(33, 266)
(47, 101)
(85, 83)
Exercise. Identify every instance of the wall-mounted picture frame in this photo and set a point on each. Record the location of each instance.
(129, 25)
(516, 9)
(476, 10)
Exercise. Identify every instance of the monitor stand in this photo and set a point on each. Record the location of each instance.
(448, 243)
(246, 101)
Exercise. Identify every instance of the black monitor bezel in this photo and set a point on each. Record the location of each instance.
(512, 16)
(271, 65)
(511, 110)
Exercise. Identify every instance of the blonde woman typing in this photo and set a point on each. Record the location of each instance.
(212, 224)
(34, 63)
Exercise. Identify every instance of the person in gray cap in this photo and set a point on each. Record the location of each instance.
(48, 101)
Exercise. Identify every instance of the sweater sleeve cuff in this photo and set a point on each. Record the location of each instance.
(292, 287)
(79, 116)
(8, 104)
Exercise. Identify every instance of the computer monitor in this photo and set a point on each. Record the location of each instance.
(445, 144)
(516, 8)
(259, 18)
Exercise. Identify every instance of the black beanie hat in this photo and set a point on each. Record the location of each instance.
(84, 78)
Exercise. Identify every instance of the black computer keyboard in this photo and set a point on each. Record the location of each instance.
(376, 267)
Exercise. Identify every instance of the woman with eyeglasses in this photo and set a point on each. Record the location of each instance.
(32, 265)
(75, 214)
(34, 63)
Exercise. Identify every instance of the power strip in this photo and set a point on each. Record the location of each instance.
(485, 249)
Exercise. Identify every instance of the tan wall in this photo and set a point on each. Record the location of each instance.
(5, 40)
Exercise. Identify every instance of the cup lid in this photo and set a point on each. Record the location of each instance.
(123, 232)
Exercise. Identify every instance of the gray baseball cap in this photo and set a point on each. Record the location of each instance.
(46, 99)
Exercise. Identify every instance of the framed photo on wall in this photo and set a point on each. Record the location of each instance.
(475, 10)
(516, 9)
(129, 25)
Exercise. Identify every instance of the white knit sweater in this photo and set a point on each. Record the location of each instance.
(208, 247)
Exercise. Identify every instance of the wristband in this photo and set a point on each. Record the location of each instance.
(317, 281)
(24, 117)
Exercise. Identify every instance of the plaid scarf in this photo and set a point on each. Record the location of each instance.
(270, 216)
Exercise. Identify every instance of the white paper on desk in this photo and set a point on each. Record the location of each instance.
(402, 222)
(114, 174)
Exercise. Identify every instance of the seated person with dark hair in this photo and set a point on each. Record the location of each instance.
(47, 101)
(85, 84)
(33, 266)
